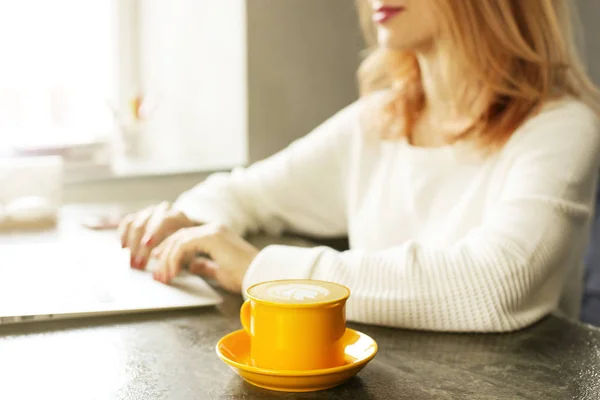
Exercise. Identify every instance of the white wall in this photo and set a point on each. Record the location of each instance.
(193, 59)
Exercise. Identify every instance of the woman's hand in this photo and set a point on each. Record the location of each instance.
(143, 231)
(230, 255)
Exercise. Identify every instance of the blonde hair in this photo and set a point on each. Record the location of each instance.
(522, 53)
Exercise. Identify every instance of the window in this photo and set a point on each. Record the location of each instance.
(58, 75)
(74, 71)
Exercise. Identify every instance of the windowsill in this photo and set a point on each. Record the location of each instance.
(134, 169)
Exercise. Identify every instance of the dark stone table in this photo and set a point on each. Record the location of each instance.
(171, 355)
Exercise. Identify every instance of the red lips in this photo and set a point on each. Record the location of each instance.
(385, 13)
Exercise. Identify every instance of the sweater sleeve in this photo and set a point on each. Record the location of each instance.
(300, 189)
(505, 274)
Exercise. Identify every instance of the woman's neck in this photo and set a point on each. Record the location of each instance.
(444, 111)
(437, 96)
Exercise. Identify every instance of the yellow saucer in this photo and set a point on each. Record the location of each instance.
(234, 349)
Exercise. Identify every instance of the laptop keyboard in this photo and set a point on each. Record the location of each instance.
(47, 279)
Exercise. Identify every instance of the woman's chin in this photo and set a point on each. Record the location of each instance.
(392, 41)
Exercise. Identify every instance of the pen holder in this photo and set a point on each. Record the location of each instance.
(128, 139)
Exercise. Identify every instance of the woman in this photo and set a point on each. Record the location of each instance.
(464, 177)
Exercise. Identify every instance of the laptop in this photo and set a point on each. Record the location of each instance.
(74, 279)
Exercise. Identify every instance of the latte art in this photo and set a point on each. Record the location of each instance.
(297, 291)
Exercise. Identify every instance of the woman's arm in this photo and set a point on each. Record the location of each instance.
(302, 188)
(505, 274)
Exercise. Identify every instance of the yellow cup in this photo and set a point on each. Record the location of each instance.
(296, 324)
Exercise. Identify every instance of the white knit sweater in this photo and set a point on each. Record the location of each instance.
(440, 240)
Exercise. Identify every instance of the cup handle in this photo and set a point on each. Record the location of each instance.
(245, 316)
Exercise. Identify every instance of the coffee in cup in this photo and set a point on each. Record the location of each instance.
(296, 324)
